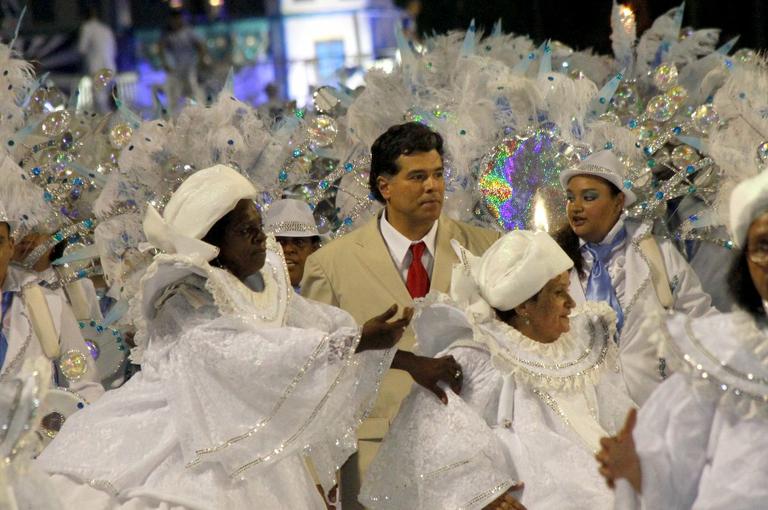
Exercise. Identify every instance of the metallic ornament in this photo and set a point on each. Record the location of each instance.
(683, 156)
(762, 155)
(665, 77)
(322, 131)
(56, 123)
(610, 118)
(102, 78)
(660, 108)
(519, 181)
(744, 55)
(325, 99)
(73, 365)
(625, 97)
(705, 118)
(119, 135)
(678, 94)
(648, 131)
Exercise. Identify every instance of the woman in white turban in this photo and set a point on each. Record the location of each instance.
(241, 380)
(700, 441)
(540, 385)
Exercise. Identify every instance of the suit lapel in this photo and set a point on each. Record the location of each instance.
(374, 254)
(445, 257)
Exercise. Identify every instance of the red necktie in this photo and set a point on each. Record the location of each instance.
(418, 279)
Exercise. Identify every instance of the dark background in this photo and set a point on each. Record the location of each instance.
(586, 23)
(580, 24)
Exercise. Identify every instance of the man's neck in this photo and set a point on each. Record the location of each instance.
(412, 231)
(3, 276)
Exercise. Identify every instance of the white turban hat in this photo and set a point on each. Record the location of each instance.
(514, 269)
(201, 200)
(748, 200)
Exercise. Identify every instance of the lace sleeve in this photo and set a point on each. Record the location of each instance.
(246, 396)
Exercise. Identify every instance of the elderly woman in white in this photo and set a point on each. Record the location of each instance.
(541, 384)
(700, 441)
(241, 379)
(618, 261)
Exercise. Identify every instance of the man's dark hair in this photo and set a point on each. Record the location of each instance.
(742, 288)
(402, 139)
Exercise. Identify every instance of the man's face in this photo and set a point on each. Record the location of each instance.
(6, 249)
(415, 194)
(296, 251)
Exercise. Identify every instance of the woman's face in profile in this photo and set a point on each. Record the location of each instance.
(244, 247)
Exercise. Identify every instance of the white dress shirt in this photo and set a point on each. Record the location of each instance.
(399, 247)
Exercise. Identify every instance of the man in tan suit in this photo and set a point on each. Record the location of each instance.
(398, 256)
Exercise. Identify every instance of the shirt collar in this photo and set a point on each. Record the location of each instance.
(399, 245)
(611, 235)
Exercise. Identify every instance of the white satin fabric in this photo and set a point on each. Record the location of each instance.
(631, 277)
(701, 446)
(226, 408)
(516, 419)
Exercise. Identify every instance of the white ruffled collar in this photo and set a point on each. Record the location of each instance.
(726, 356)
(231, 296)
(574, 360)
(570, 363)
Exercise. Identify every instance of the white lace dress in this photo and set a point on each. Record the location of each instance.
(237, 388)
(528, 411)
(702, 437)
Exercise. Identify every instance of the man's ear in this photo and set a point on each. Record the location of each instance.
(383, 184)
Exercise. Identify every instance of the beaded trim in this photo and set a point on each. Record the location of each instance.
(748, 378)
(291, 226)
(301, 429)
(559, 366)
(489, 492)
(287, 393)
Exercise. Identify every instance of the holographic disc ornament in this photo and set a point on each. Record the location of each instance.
(519, 181)
(55, 123)
(625, 97)
(677, 94)
(102, 77)
(661, 108)
(744, 55)
(665, 77)
(683, 156)
(762, 156)
(611, 118)
(119, 135)
(73, 365)
(648, 131)
(705, 118)
(322, 131)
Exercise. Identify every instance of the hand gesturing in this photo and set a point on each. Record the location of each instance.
(618, 457)
(380, 334)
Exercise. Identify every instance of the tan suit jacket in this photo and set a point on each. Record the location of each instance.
(356, 273)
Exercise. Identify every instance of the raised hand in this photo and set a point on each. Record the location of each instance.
(618, 457)
(380, 334)
(507, 501)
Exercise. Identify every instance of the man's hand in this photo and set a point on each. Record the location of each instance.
(507, 501)
(618, 457)
(429, 371)
(380, 334)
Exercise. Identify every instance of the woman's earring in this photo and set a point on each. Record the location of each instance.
(526, 320)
